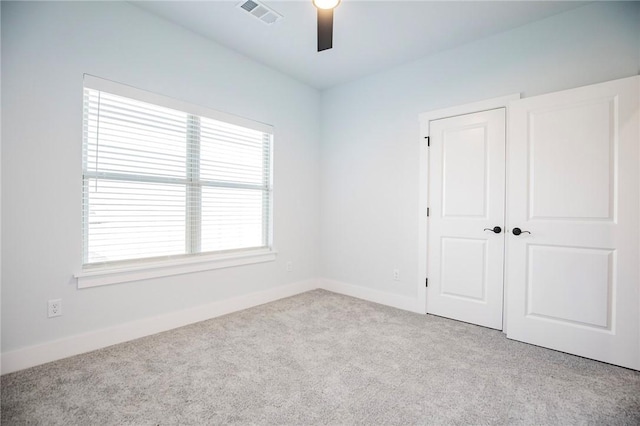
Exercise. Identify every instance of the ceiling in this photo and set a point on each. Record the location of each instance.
(369, 36)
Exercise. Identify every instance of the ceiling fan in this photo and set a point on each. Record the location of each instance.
(325, 22)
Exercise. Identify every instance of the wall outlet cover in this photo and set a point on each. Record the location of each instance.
(55, 308)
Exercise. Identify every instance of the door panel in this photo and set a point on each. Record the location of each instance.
(468, 281)
(574, 158)
(573, 282)
(464, 186)
(570, 284)
(466, 195)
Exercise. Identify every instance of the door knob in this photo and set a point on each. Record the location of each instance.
(518, 231)
(495, 229)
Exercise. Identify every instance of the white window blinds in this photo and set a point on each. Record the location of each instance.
(164, 178)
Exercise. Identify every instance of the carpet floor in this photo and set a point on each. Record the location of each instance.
(323, 358)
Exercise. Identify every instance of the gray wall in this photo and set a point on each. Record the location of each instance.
(370, 130)
(46, 48)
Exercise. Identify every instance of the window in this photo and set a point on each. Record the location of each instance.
(163, 179)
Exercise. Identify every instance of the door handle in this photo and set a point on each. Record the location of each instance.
(495, 229)
(518, 231)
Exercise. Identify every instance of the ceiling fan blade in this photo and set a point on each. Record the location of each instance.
(325, 29)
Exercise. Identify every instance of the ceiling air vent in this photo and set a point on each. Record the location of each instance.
(260, 11)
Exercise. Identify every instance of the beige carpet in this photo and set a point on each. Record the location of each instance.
(323, 358)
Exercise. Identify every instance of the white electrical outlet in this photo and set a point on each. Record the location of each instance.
(55, 308)
(396, 274)
(289, 266)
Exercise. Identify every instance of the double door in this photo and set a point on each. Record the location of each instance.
(544, 228)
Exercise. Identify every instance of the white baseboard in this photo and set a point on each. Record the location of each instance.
(81, 343)
(51, 351)
(376, 296)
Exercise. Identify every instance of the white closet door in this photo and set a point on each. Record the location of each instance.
(573, 183)
(466, 195)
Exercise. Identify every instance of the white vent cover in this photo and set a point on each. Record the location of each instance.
(260, 11)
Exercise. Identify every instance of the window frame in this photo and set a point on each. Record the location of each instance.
(96, 274)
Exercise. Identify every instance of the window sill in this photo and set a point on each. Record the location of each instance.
(114, 275)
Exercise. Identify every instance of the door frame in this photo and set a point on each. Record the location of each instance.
(423, 185)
